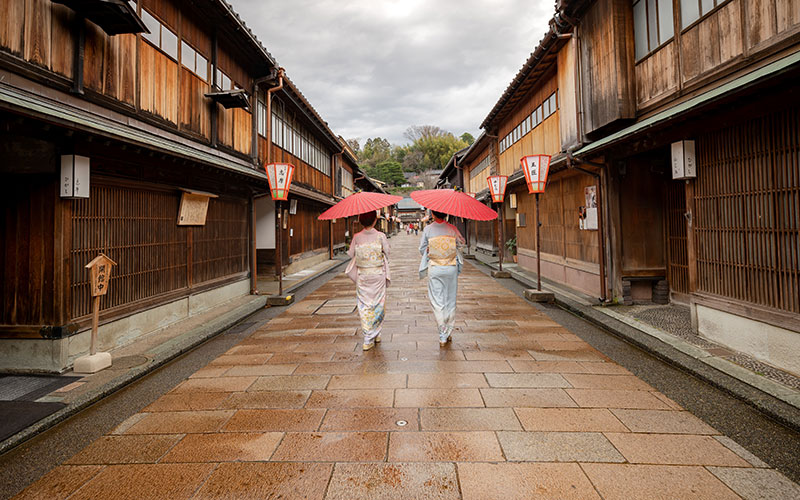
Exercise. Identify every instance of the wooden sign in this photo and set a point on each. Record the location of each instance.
(194, 207)
(100, 269)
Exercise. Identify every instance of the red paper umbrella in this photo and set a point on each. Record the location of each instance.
(359, 203)
(454, 203)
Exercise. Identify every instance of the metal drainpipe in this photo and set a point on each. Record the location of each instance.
(278, 214)
(600, 231)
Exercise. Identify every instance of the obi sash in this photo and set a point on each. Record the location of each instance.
(442, 251)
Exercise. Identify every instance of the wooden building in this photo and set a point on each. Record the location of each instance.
(138, 131)
(715, 84)
(621, 93)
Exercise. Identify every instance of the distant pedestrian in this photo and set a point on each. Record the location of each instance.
(369, 269)
(442, 260)
(416, 228)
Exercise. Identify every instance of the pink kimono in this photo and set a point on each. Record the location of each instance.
(369, 269)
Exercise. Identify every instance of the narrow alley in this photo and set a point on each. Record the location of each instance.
(516, 406)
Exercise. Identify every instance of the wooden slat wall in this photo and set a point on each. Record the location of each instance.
(303, 173)
(712, 42)
(309, 233)
(478, 183)
(545, 138)
(158, 83)
(607, 65)
(526, 203)
(747, 211)
(767, 20)
(551, 209)
(656, 76)
(677, 241)
(219, 248)
(195, 108)
(579, 244)
(642, 217)
(567, 105)
(137, 227)
(27, 280)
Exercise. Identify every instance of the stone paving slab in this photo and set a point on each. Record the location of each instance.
(515, 407)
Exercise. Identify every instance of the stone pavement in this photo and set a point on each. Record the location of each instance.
(515, 407)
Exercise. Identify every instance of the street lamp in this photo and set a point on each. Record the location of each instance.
(279, 176)
(536, 168)
(497, 187)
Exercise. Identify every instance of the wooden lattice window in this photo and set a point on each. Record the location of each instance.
(747, 212)
(219, 248)
(137, 229)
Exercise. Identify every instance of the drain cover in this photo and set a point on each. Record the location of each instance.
(126, 362)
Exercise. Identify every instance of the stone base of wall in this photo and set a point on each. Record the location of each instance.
(770, 344)
(306, 261)
(57, 355)
(579, 276)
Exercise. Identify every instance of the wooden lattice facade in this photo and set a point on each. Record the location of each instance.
(747, 209)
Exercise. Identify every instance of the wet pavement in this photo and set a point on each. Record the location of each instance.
(517, 406)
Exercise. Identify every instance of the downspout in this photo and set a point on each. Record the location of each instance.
(600, 231)
(336, 174)
(268, 160)
(254, 157)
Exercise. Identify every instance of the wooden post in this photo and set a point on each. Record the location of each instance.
(95, 321)
(538, 248)
(279, 217)
(100, 275)
(502, 217)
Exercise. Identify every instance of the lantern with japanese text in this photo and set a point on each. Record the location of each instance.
(497, 186)
(279, 176)
(536, 168)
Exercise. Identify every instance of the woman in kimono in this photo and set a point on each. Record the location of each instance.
(442, 261)
(369, 269)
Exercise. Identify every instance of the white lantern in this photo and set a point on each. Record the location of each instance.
(536, 168)
(279, 176)
(497, 186)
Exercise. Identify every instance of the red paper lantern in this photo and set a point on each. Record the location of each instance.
(279, 176)
(497, 186)
(536, 168)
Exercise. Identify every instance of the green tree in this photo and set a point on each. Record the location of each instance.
(376, 150)
(389, 171)
(467, 137)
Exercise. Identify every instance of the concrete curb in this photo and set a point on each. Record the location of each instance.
(775, 400)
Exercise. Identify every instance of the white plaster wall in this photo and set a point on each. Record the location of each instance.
(265, 223)
(206, 300)
(777, 346)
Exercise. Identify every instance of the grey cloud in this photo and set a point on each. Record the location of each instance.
(374, 68)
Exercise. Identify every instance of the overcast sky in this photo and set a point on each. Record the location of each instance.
(373, 68)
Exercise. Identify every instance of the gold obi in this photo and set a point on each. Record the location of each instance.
(442, 251)
(369, 258)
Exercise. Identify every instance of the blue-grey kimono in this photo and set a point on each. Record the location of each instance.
(442, 261)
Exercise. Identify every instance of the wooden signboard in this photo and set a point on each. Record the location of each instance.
(100, 270)
(194, 207)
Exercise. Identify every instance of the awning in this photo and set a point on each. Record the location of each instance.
(236, 98)
(55, 108)
(113, 16)
(706, 98)
(312, 195)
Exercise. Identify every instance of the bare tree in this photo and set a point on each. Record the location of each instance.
(418, 132)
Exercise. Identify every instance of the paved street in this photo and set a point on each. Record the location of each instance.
(516, 407)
